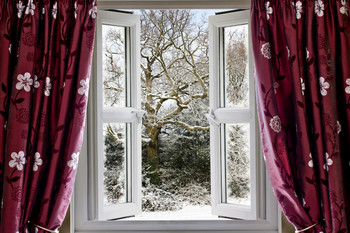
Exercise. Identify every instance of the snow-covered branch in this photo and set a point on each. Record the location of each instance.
(185, 125)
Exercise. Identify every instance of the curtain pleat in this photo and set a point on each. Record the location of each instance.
(301, 51)
(45, 61)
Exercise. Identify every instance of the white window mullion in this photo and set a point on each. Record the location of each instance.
(127, 114)
(230, 115)
(223, 164)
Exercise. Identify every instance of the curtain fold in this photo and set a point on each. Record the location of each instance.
(301, 51)
(46, 53)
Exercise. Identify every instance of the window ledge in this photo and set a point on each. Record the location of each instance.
(208, 226)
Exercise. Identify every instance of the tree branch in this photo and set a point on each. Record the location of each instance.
(185, 125)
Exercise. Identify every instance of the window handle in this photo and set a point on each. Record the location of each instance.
(139, 114)
(211, 118)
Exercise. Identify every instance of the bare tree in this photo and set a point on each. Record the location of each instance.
(175, 79)
(237, 88)
(174, 74)
(114, 72)
(236, 65)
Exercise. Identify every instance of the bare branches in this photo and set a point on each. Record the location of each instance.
(174, 64)
(185, 125)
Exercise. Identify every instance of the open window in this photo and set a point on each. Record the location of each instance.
(114, 115)
(118, 115)
(233, 123)
(233, 132)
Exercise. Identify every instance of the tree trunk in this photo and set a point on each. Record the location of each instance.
(152, 158)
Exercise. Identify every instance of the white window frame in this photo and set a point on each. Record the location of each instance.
(220, 115)
(129, 114)
(83, 208)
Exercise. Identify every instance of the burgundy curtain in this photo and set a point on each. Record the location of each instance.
(45, 58)
(302, 61)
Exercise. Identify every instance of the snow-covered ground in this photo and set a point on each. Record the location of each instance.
(187, 213)
(239, 201)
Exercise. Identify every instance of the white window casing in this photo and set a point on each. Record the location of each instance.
(88, 214)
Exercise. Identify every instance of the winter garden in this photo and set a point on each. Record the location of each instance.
(175, 97)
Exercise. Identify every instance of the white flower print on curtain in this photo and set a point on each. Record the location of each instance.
(266, 50)
(93, 11)
(36, 82)
(323, 86)
(37, 161)
(47, 86)
(30, 8)
(319, 8)
(20, 8)
(328, 162)
(84, 89)
(298, 9)
(54, 10)
(75, 10)
(24, 82)
(347, 89)
(311, 162)
(74, 162)
(302, 85)
(275, 124)
(288, 52)
(18, 160)
(344, 9)
(338, 127)
(269, 10)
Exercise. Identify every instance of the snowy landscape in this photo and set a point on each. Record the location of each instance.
(175, 131)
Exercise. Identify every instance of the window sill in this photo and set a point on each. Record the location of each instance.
(214, 226)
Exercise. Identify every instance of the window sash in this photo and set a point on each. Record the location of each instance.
(129, 114)
(222, 115)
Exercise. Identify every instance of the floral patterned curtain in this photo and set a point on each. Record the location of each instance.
(46, 52)
(301, 50)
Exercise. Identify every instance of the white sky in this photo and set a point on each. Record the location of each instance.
(198, 13)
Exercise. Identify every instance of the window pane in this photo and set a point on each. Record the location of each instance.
(114, 69)
(236, 162)
(115, 168)
(236, 66)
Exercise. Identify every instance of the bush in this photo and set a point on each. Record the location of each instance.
(114, 175)
(157, 199)
(238, 163)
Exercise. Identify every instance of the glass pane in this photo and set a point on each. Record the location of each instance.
(236, 66)
(115, 163)
(114, 72)
(237, 163)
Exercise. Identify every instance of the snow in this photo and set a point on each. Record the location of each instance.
(240, 201)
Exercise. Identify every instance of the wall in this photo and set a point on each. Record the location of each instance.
(287, 227)
(65, 228)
